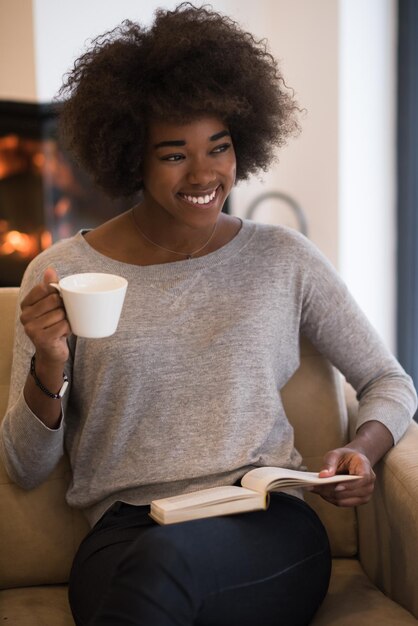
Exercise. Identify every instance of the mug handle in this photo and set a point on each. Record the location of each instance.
(57, 287)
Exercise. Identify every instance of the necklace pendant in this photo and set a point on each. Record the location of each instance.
(157, 245)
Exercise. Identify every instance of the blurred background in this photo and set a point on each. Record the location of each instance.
(349, 181)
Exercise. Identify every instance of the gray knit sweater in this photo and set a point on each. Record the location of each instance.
(185, 395)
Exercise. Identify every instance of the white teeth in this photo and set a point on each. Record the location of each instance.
(201, 199)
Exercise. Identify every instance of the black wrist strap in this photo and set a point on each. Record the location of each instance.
(54, 396)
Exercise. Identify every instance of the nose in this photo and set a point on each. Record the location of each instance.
(201, 172)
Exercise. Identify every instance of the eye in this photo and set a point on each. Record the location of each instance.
(172, 157)
(222, 148)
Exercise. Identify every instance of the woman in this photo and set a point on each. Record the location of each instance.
(185, 395)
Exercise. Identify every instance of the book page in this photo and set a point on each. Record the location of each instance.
(263, 479)
(205, 497)
(252, 501)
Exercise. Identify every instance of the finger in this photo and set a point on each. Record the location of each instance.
(342, 493)
(366, 482)
(357, 486)
(35, 295)
(350, 500)
(42, 289)
(353, 501)
(42, 307)
(330, 464)
(344, 460)
(35, 326)
(59, 330)
(365, 489)
(50, 276)
(52, 342)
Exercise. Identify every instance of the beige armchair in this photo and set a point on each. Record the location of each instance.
(375, 548)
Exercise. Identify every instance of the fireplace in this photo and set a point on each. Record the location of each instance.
(44, 196)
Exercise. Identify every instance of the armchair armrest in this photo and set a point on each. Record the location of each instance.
(388, 524)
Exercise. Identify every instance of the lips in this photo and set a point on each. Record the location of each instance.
(200, 199)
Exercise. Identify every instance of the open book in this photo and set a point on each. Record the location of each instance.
(252, 496)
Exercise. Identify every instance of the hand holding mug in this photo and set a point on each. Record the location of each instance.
(44, 320)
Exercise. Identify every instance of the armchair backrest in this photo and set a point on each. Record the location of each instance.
(315, 404)
(39, 533)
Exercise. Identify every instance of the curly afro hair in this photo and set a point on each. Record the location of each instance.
(191, 62)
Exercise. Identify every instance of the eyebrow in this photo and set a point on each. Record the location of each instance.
(181, 142)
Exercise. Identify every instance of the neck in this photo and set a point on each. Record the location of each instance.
(183, 241)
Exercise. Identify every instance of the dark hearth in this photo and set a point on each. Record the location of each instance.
(44, 196)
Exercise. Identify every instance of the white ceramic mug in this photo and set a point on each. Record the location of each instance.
(93, 302)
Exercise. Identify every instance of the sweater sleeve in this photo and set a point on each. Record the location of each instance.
(29, 449)
(335, 324)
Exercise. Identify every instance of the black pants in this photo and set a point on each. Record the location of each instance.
(253, 569)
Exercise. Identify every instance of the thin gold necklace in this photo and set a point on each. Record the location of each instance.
(188, 255)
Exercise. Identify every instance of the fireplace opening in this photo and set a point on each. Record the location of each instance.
(44, 195)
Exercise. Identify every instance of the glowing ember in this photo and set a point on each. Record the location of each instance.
(46, 239)
(25, 245)
(62, 207)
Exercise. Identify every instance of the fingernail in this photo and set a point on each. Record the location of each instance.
(339, 488)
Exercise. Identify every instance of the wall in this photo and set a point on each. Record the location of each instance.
(367, 155)
(63, 29)
(303, 35)
(17, 63)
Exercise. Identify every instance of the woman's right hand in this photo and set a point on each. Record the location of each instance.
(45, 322)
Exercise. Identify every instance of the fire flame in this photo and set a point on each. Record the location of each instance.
(26, 245)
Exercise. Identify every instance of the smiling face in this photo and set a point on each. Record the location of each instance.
(189, 171)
